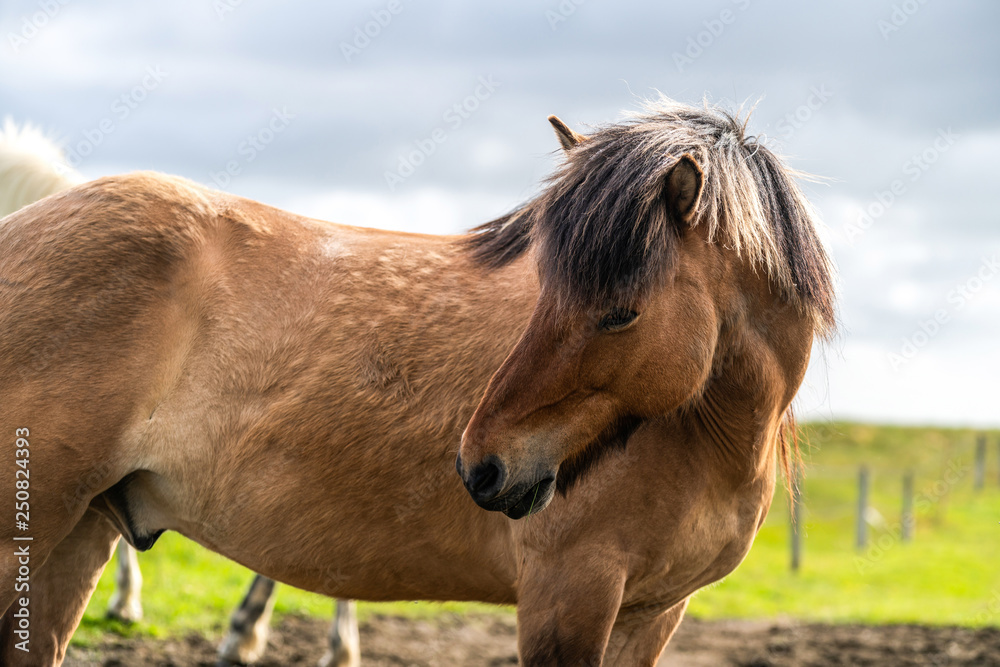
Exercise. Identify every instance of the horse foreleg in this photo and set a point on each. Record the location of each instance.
(58, 595)
(639, 636)
(249, 625)
(344, 647)
(565, 612)
(126, 602)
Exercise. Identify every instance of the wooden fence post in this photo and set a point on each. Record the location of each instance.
(908, 520)
(862, 526)
(796, 516)
(980, 471)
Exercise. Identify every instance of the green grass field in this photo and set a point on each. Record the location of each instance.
(947, 575)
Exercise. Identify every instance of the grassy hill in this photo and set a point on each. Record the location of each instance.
(948, 574)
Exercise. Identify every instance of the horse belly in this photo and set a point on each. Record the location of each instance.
(345, 539)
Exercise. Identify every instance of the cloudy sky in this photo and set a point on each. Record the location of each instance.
(430, 116)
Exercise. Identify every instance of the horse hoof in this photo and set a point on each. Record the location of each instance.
(341, 659)
(125, 613)
(241, 650)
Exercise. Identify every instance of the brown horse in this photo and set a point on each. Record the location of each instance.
(291, 393)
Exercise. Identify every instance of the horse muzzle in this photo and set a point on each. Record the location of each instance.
(487, 483)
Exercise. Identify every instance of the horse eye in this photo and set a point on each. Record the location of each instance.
(617, 319)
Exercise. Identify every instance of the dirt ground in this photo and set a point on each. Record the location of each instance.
(491, 641)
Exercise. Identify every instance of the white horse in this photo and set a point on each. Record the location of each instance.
(32, 167)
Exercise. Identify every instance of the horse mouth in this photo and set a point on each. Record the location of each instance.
(532, 501)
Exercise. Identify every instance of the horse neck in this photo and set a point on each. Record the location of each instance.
(760, 360)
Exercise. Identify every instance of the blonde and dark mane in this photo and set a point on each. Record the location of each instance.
(602, 233)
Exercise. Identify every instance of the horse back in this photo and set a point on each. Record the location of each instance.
(100, 262)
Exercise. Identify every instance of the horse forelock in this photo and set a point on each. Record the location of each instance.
(604, 233)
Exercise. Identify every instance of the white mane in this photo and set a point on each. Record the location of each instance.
(32, 167)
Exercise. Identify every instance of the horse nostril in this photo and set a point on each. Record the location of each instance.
(483, 477)
(485, 480)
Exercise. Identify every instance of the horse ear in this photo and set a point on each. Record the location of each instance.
(567, 137)
(684, 183)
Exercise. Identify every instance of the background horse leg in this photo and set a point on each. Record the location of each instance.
(344, 647)
(248, 627)
(126, 603)
(60, 590)
(639, 638)
(565, 611)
